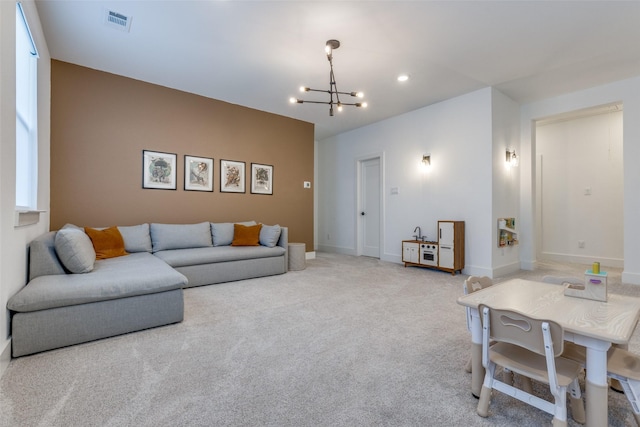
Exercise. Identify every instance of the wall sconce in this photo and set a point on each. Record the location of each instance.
(426, 159)
(511, 158)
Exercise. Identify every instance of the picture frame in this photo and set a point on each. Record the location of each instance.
(158, 170)
(198, 173)
(232, 176)
(261, 179)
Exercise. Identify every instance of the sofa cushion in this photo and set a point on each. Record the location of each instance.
(269, 235)
(244, 235)
(210, 255)
(222, 232)
(108, 242)
(75, 250)
(180, 236)
(113, 278)
(136, 238)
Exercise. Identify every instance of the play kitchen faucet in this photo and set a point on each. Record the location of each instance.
(419, 236)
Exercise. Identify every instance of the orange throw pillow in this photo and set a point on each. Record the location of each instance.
(244, 235)
(108, 243)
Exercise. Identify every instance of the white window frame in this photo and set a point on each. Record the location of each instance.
(26, 116)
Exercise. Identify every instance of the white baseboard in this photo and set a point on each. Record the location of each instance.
(336, 250)
(581, 259)
(310, 255)
(506, 269)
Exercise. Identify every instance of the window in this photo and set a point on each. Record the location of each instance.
(26, 115)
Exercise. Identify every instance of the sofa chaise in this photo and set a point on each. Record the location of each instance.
(72, 297)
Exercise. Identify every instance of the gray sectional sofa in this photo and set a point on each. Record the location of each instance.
(73, 298)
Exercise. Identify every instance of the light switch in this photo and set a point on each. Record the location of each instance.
(307, 184)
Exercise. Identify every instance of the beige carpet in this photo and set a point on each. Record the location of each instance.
(350, 341)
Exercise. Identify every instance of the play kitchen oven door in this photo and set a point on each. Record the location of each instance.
(429, 254)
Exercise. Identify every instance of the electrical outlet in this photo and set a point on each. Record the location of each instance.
(581, 244)
(307, 184)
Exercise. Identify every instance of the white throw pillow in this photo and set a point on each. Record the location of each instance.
(75, 250)
(269, 235)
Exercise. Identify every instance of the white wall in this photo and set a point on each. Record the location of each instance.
(627, 92)
(506, 182)
(14, 241)
(573, 155)
(458, 135)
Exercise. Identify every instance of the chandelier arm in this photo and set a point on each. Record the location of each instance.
(317, 90)
(347, 93)
(316, 102)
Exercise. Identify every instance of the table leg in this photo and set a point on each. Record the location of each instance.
(477, 370)
(596, 387)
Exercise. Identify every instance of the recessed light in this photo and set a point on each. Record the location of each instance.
(403, 77)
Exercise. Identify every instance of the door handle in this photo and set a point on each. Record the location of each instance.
(362, 213)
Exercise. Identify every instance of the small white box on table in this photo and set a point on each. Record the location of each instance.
(595, 287)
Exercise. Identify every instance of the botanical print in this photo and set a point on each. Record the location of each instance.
(232, 176)
(198, 173)
(261, 179)
(159, 170)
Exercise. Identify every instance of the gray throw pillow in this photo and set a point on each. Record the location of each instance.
(180, 236)
(136, 238)
(75, 250)
(222, 232)
(269, 235)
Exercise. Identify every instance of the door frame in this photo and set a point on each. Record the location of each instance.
(357, 217)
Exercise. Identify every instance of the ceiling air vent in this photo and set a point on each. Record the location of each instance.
(117, 20)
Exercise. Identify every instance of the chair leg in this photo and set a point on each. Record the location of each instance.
(577, 410)
(483, 403)
(559, 423)
(577, 405)
(467, 367)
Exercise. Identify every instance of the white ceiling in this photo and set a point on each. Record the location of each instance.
(258, 53)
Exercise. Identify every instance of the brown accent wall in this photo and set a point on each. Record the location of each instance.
(101, 123)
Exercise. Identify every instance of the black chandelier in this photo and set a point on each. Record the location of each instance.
(334, 94)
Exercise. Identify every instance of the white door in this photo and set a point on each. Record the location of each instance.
(370, 207)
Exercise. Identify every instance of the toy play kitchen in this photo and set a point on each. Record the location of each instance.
(447, 253)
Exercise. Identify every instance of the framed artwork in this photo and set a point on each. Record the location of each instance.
(198, 173)
(261, 179)
(158, 170)
(231, 176)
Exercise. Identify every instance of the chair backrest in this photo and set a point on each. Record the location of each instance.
(559, 280)
(522, 330)
(473, 284)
